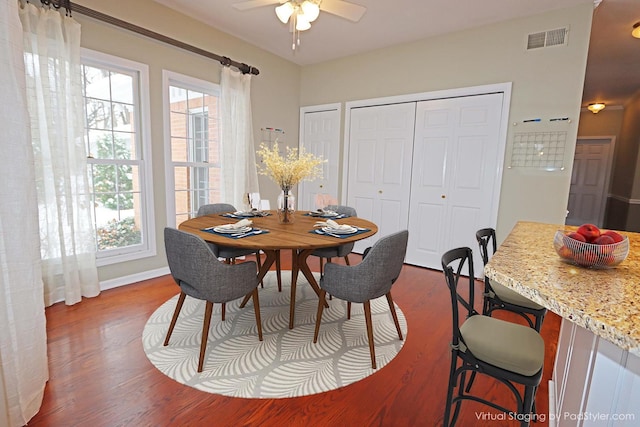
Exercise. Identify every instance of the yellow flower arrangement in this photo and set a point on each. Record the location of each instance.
(289, 170)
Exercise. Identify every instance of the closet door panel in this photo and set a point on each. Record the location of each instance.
(455, 167)
(379, 174)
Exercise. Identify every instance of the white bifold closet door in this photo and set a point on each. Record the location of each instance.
(431, 167)
(379, 181)
(455, 171)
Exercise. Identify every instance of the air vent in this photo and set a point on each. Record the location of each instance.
(549, 38)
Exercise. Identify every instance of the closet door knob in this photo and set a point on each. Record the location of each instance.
(380, 191)
(443, 196)
(321, 185)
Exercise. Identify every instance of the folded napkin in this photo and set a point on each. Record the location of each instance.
(323, 212)
(240, 224)
(333, 225)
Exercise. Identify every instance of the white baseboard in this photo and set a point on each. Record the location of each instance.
(133, 278)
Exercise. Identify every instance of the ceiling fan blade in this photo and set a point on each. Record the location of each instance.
(250, 4)
(352, 12)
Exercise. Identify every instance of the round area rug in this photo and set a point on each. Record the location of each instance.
(286, 363)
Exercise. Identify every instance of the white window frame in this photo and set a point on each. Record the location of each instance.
(148, 246)
(172, 78)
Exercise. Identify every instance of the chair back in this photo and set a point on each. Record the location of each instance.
(461, 287)
(200, 274)
(374, 276)
(486, 238)
(215, 208)
(342, 210)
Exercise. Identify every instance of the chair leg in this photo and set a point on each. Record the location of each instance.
(278, 274)
(348, 310)
(256, 309)
(452, 373)
(174, 319)
(392, 307)
(526, 412)
(346, 259)
(224, 311)
(321, 266)
(321, 302)
(330, 296)
(367, 318)
(205, 333)
(259, 262)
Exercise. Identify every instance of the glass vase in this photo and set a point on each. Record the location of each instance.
(286, 206)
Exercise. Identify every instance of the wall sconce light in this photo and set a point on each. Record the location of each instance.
(636, 30)
(596, 107)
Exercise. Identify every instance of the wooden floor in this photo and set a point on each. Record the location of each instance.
(100, 376)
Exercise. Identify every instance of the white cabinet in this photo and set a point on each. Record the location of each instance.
(433, 167)
(595, 382)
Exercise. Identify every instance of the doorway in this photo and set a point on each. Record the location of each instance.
(320, 136)
(590, 180)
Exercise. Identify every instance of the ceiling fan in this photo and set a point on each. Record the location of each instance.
(344, 9)
(301, 13)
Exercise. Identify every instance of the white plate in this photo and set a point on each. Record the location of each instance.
(325, 214)
(245, 214)
(226, 230)
(349, 230)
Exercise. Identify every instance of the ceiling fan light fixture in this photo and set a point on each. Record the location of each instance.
(302, 23)
(284, 12)
(596, 107)
(311, 10)
(636, 30)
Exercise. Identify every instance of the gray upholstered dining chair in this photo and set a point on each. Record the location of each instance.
(510, 353)
(499, 297)
(199, 274)
(341, 251)
(370, 279)
(227, 252)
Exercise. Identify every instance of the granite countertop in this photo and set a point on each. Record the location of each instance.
(606, 302)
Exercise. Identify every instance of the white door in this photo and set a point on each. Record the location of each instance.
(379, 173)
(455, 180)
(589, 180)
(321, 137)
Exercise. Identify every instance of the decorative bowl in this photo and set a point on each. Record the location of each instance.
(588, 254)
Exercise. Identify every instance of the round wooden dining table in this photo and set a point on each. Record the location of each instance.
(300, 236)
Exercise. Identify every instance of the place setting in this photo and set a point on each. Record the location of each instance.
(253, 213)
(326, 213)
(238, 230)
(333, 229)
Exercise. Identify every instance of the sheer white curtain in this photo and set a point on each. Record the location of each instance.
(54, 96)
(23, 340)
(239, 172)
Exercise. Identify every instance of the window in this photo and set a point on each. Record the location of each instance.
(193, 149)
(116, 133)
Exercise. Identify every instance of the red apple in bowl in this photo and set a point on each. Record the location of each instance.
(604, 243)
(617, 237)
(589, 231)
(576, 236)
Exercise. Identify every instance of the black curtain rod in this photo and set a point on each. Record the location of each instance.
(244, 68)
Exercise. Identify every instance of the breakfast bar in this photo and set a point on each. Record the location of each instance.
(596, 376)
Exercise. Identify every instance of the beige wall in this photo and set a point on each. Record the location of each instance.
(547, 83)
(626, 174)
(607, 122)
(275, 92)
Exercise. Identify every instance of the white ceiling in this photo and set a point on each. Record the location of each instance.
(614, 56)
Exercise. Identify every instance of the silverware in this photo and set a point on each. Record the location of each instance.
(322, 232)
(248, 233)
